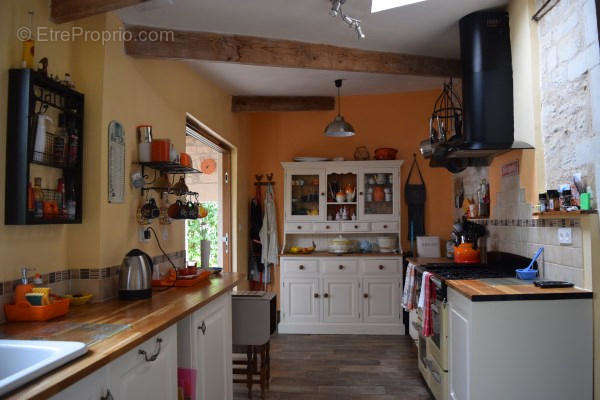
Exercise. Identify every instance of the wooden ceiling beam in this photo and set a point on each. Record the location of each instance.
(281, 103)
(71, 10)
(282, 53)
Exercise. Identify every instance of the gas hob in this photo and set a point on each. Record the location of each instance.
(468, 271)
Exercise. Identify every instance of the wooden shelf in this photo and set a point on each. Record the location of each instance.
(564, 214)
(344, 203)
(170, 167)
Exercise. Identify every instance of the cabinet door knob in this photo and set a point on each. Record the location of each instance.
(316, 295)
(154, 356)
(360, 193)
(327, 227)
(299, 226)
(322, 194)
(301, 267)
(381, 267)
(203, 328)
(385, 227)
(341, 267)
(366, 295)
(355, 226)
(325, 295)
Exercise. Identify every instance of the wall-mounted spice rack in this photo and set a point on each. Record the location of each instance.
(563, 214)
(32, 94)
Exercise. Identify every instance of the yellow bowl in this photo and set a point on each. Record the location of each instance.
(79, 300)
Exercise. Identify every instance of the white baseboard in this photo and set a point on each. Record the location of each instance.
(341, 329)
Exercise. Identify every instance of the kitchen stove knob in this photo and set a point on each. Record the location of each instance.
(316, 295)
(325, 295)
(341, 267)
(366, 295)
(381, 267)
(301, 267)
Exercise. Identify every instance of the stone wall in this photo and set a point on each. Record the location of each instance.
(570, 92)
(206, 185)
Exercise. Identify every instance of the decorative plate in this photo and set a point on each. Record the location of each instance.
(208, 166)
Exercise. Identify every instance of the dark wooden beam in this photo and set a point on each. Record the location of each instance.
(282, 53)
(70, 10)
(281, 103)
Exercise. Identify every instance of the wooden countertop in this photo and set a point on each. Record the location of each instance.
(145, 317)
(327, 254)
(503, 289)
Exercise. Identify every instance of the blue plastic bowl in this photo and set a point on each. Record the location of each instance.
(527, 274)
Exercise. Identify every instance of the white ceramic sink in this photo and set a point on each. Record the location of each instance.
(24, 360)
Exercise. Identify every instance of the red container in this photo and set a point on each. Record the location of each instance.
(160, 150)
(385, 153)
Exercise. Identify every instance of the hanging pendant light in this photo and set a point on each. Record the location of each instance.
(339, 127)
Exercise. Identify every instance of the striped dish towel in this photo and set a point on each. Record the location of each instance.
(408, 296)
(425, 300)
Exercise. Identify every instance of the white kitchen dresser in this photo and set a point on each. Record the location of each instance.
(323, 293)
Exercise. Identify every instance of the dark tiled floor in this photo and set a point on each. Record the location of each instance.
(336, 367)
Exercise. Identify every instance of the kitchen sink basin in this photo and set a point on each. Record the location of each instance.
(24, 360)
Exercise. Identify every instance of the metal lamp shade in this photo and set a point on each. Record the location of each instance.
(339, 128)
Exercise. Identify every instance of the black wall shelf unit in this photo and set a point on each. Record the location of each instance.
(30, 94)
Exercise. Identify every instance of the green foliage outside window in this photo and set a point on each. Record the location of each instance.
(201, 229)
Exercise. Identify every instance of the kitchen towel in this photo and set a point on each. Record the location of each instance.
(408, 296)
(425, 300)
(268, 235)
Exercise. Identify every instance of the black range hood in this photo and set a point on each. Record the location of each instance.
(487, 91)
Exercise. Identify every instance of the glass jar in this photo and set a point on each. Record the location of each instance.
(553, 200)
(543, 200)
(565, 199)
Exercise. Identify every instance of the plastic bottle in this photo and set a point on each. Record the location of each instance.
(38, 196)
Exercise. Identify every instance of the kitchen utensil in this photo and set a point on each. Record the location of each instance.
(340, 197)
(552, 284)
(173, 210)
(185, 160)
(180, 188)
(161, 149)
(385, 153)
(465, 253)
(173, 154)
(135, 276)
(530, 273)
(340, 245)
(150, 210)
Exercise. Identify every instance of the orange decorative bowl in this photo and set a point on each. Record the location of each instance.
(466, 254)
(385, 153)
(185, 160)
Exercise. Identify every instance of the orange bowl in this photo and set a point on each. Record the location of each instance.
(385, 153)
(185, 160)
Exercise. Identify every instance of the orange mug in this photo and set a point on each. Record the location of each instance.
(160, 150)
(185, 160)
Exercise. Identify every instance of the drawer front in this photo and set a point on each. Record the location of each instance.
(384, 226)
(300, 267)
(326, 227)
(381, 267)
(356, 227)
(299, 227)
(339, 266)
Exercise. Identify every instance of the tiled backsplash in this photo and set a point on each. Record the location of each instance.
(100, 282)
(512, 229)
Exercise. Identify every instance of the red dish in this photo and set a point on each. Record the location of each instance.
(385, 153)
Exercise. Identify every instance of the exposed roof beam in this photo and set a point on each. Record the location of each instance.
(281, 103)
(71, 10)
(282, 53)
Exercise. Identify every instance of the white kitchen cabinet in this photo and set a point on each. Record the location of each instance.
(459, 351)
(340, 299)
(331, 298)
(520, 349)
(92, 387)
(153, 375)
(304, 193)
(301, 299)
(205, 345)
(374, 182)
(381, 300)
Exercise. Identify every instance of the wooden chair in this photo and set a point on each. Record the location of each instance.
(255, 370)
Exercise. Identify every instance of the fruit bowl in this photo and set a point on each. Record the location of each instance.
(79, 299)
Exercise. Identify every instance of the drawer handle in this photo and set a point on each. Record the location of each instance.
(355, 226)
(385, 227)
(154, 356)
(108, 396)
(366, 295)
(325, 295)
(322, 194)
(299, 227)
(327, 226)
(381, 267)
(360, 193)
(301, 267)
(203, 328)
(341, 267)
(316, 295)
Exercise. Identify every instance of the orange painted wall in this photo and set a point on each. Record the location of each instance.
(391, 120)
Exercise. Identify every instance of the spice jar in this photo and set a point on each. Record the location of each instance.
(543, 200)
(553, 200)
(565, 199)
